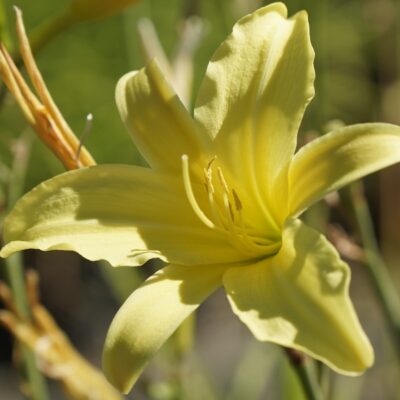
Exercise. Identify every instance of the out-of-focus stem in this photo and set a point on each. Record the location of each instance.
(223, 14)
(4, 37)
(46, 32)
(305, 373)
(185, 335)
(14, 267)
(375, 264)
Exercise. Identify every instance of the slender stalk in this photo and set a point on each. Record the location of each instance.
(15, 271)
(39, 38)
(305, 373)
(376, 267)
(14, 264)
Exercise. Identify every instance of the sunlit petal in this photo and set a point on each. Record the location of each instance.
(252, 100)
(150, 315)
(299, 298)
(119, 213)
(161, 127)
(338, 158)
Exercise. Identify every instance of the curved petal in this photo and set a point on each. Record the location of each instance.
(338, 158)
(299, 299)
(161, 127)
(149, 317)
(253, 97)
(123, 214)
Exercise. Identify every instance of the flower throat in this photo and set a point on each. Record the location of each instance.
(226, 210)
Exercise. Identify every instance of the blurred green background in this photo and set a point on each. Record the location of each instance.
(357, 45)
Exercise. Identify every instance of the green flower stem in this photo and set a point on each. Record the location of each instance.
(15, 271)
(375, 264)
(305, 373)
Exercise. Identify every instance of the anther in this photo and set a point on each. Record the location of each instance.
(225, 207)
(211, 191)
(228, 206)
(208, 179)
(210, 163)
(238, 203)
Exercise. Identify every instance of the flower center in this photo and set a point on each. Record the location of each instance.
(226, 211)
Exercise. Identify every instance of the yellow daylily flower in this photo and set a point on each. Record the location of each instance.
(220, 203)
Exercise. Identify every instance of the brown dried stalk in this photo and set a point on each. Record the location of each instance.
(55, 355)
(40, 111)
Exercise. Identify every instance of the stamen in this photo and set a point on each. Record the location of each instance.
(237, 239)
(229, 207)
(208, 179)
(210, 191)
(247, 240)
(238, 203)
(245, 237)
(238, 233)
(226, 209)
(222, 180)
(190, 195)
(210, 163)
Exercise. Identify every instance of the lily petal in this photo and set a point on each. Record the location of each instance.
(122, 214)
(299, 299)
(339, 158)
(253, 97)
(161, 127)
(149, 317)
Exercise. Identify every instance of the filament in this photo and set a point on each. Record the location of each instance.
(190, 195)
